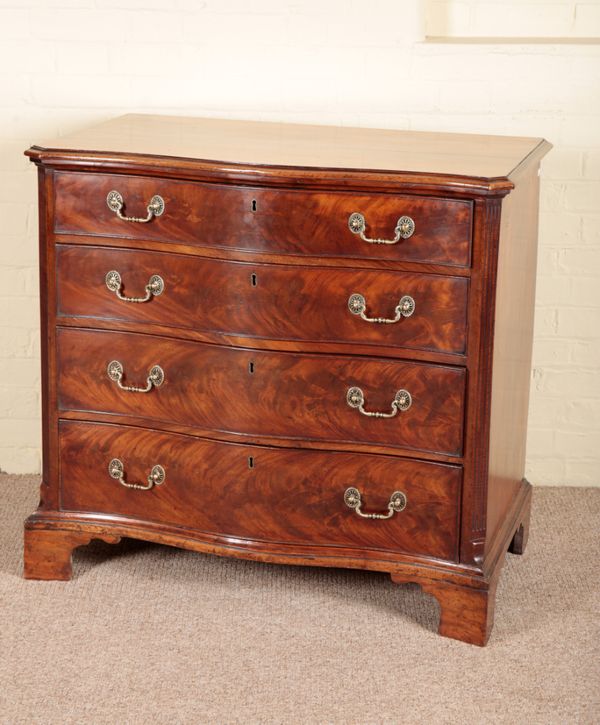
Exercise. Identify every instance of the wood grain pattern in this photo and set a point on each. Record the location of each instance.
(47, 554)
(466, 595)
(513, 339)
(479, 366)
(285, 222)
(287, 496)
(467, 604)
(265, 300)
(241, 255)
(48, 493)
(299, 146)
(259, 349)
(466, 613)
(257, 392)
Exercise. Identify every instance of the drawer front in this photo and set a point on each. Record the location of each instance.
(265, 300)
(272, 394)
(284, 222)
(258, 493)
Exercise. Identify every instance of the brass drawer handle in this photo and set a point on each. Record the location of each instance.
(115, 203)
(405, 228)
(358, 306)
(353, 500)
(117, 470)
(356, 399)
(154, 287)
(156, 377)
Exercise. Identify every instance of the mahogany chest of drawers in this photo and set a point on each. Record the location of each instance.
(293, 344)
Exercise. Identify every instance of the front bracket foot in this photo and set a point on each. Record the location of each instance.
(466, 613)
(48, 552)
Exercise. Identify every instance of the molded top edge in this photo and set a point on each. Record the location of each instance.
(239, 149)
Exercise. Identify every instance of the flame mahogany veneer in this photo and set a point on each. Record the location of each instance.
(316, 224)
(304, 304)
(248, 446)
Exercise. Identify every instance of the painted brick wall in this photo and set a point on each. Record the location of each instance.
(68, 63)
(512, 18)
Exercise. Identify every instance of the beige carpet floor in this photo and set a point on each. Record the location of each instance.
(150, 634)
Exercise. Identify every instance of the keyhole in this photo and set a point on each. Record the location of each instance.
(253, 280)
(253, 204)
(250, 367)
(250, 461)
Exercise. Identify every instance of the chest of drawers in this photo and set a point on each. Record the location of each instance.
(293, 344)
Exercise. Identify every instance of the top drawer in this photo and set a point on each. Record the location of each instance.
(277, 221)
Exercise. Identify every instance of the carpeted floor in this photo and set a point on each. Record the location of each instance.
(150, 634)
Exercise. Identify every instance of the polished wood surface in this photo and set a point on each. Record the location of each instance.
(295, 145)
(47, 553)
(479, 366)
(264, 300)
(255, 392)
(466, 597)
(259, 348)
(465, 613)
(249, 492)
(513, 338)
(264, 220)
(467, 605)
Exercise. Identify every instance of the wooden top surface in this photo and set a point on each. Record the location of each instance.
(294, 145)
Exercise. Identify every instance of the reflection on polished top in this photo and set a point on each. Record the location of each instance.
(293, 145)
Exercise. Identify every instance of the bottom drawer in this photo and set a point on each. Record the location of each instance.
(279, 495)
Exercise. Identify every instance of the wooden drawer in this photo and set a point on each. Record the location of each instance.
(279, 495)
(285, 221)
(265, 300)
(270, 394)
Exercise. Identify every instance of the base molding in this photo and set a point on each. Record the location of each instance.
(466, 594)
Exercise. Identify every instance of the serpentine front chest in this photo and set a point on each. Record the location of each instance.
(293, 344)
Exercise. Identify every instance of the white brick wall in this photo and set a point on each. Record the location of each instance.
(512, 18)
(67, 63)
